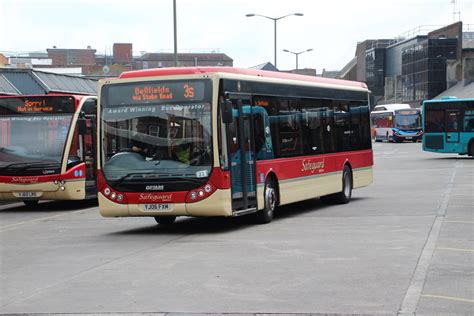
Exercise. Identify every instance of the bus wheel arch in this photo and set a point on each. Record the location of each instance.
(272, 176)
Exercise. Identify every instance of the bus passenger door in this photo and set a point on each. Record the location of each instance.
(87, 141)
(453, 126)
(242, 156)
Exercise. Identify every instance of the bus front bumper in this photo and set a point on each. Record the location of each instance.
(73, 190)
(217, 204)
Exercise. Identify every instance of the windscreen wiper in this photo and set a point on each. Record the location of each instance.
(3, 149)
(13, 164)
(122, 178)
(28, 165)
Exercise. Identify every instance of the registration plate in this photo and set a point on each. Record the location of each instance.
(27, 194)
(409, 137)
(157, 207)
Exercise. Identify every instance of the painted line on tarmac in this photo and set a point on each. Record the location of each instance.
(9, 227)
(451, 298)
(10, 205)
(415, 288)
(455, 249)
(459, 222)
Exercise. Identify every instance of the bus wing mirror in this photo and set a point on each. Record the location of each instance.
(81, 126)
(226, 112)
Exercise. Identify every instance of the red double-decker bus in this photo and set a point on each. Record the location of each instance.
(228, 142)
(47, 147)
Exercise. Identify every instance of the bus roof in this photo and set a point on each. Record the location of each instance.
(78, 96)
(238, 71)
(450, 99)
(391, 107)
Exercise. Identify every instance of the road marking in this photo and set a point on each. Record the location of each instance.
(451, 298)
(8, 227)
(455, 249)
(460, 222)
(412, 296)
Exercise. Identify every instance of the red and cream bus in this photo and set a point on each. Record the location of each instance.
(228, 142)
(47, 147)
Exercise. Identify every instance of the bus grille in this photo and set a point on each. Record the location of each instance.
(434, 141)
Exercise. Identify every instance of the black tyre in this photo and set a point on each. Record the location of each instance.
(345, 195)
(270, 198)
(470, 149)
(165, 220)
(31, 203)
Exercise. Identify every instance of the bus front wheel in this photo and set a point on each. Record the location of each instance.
(165, 220)
(270, 197)
(31, 202)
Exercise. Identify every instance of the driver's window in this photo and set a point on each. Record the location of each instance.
(74, 156)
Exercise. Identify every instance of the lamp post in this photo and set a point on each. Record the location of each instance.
(175, 35)
(275, 26)
(296, 54)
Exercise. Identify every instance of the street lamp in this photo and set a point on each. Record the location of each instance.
(275, 28)
(175, 54)
(296, 54)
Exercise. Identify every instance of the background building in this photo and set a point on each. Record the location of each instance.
(160, 60)
(87, 62)
(419, 65)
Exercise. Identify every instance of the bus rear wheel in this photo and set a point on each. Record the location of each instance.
(165, 220)
(470, 150)
(270, 198)
(31, 202)
(345, 195)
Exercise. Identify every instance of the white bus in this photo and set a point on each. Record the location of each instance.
(396, 123)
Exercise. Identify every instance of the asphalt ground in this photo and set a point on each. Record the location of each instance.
(403, 246)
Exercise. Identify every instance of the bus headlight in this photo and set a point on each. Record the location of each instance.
(62, 182)
(208, 188)
(193, 195)
(107, 191)
(56, 182)
(63, 188)
(119, 197)
(113, 196)
(201, 193)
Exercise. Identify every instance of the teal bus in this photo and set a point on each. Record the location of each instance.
(449, 126)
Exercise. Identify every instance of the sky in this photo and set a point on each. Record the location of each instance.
(330, 28)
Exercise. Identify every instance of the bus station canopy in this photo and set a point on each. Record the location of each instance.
(29, 81)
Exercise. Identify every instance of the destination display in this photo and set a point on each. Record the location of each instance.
(37, 105)
(155, 92)
(407, 112)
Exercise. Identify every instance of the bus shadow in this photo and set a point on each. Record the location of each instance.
(464, 158)
(48, 206)
(222, 225)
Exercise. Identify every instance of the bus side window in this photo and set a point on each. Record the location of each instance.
(74, 156)
(222, 139)
(469, 123)
(259, 134)
(356, 143)
(312, 127)
(434, 121)
(452, 121)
